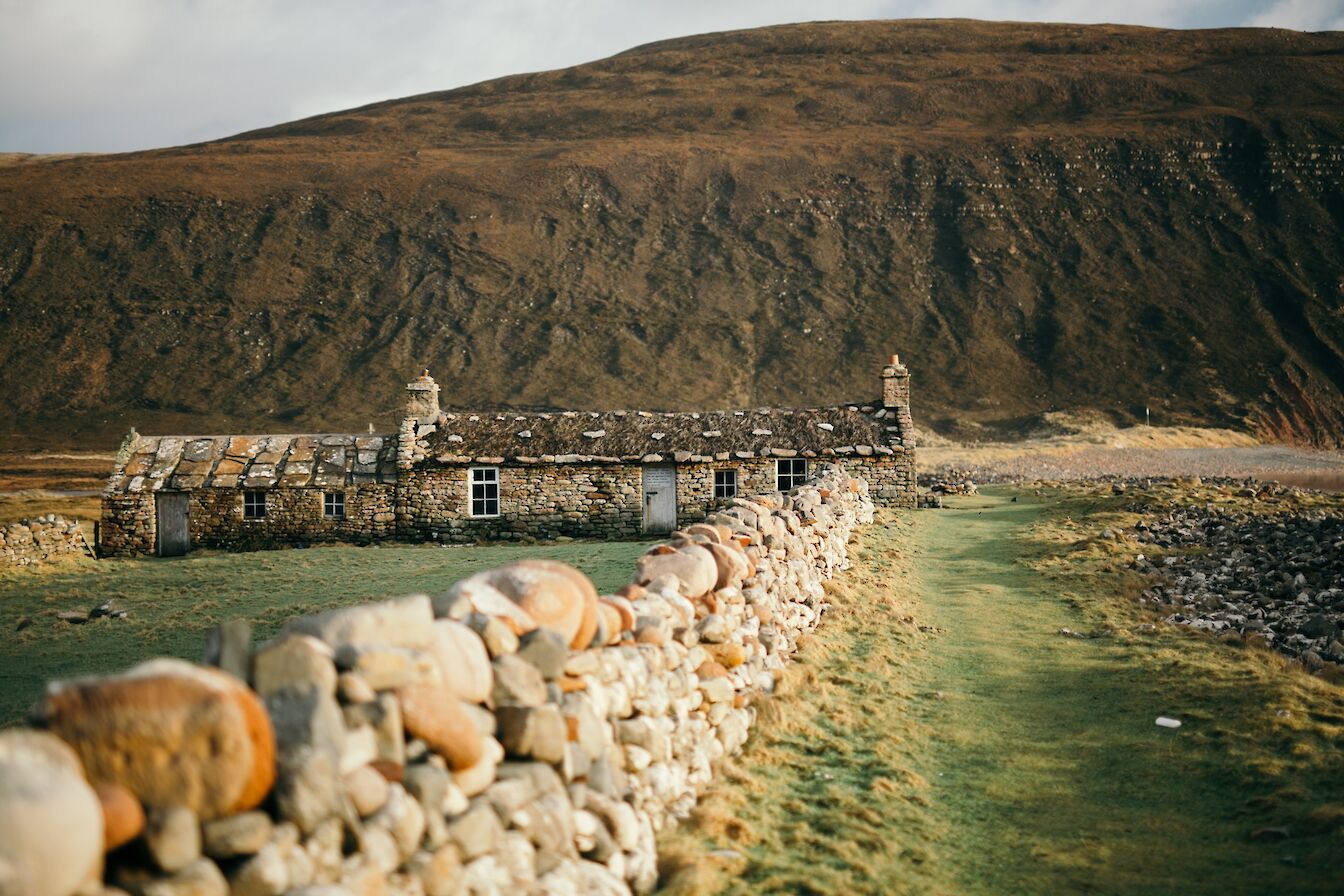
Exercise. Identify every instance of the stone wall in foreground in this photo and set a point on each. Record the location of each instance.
(48, 537)
(516, 734)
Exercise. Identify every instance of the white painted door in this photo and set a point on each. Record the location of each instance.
(660, 498)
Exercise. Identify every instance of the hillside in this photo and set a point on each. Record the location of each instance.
(1036, 217)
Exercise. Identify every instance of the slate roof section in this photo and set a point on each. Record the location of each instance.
(568, 436)
(267, 461)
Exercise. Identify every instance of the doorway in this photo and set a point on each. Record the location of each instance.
(174, 534)
(660, 498)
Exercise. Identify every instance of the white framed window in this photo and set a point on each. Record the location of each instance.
(725, 484)
(790, 472)
(333, 505)
(485, 491)
(254, 505)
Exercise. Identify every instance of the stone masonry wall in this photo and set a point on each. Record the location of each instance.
(543, 501)
(603, 500)
(46, 538)
(128, 524)
(516, 734)
(293, 516)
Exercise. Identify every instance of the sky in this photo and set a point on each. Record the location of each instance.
(118, 75)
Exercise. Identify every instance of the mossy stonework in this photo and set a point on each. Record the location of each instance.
(460, 476)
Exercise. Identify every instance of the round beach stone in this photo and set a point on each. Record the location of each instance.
(622, 606)
(238, 835)
(463, 661)
(546, 593)
(712, 533)
(431, 713)
(730, 564)
(517, 682)
(173, 838)
(170, 732)
(474, 780)
(367, 790)
(51, 822)
(729, 653)
(292, 661)
(123, 816)
(400, 622)
(613, 622)
(691, 565)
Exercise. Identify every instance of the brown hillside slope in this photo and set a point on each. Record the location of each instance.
(1035, 216)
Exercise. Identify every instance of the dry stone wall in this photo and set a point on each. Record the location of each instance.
(48, 537)
(518, 733)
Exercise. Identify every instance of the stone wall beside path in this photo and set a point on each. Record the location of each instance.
(48, 537)
(516, 734)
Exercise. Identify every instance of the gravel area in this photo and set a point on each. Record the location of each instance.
(1292, 466)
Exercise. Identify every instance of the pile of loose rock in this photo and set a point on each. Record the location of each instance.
(47, 537)
(948, 481)
(1278, 576)
(519, 733)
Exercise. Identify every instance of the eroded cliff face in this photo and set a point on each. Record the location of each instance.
(1036, 217)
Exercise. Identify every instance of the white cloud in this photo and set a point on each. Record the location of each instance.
(105, 75)
(1302, 15)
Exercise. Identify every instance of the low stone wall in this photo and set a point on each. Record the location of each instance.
(518, 733)
(46, 538)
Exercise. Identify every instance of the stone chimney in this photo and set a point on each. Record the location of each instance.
(895, 385)
(896, 403)
(422, 399)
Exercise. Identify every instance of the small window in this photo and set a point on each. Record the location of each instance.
(485, 491)
(725, 484)
(254, 505)
(333, 505)
(790, 472)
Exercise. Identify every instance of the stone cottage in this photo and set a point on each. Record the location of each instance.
(458, 476)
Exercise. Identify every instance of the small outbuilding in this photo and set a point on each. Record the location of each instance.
(455, 475)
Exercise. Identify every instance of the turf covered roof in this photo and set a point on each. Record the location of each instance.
(562, 436)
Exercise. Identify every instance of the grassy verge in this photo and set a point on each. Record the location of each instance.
(172, 603)
(828, 796)
(938, 735)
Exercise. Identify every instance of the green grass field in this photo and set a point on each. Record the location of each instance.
(938, 735)
(173, 603)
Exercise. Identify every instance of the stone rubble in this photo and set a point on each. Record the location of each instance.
(1279, 576)
(519, 733)
(948, 481)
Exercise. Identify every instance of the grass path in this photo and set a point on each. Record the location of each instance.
(938, 735)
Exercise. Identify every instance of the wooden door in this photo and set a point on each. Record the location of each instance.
(660, 498)
(170, 513)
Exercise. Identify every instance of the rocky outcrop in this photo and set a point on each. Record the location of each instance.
(518, 733)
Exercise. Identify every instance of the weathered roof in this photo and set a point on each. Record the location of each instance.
(568, 436)
(152, 463)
